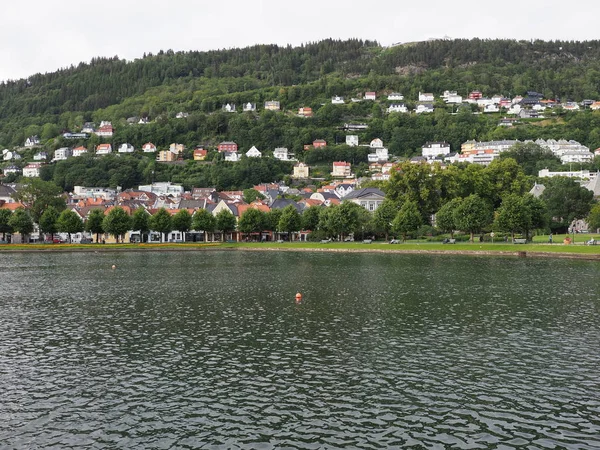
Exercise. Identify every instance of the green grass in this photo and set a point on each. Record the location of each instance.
(539, 245)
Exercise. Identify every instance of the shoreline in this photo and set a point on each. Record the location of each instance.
(112, 248)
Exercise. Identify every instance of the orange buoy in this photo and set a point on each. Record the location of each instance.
(298, 296)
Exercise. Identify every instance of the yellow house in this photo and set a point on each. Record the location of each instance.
(165, 156)
(200, 154)
(301, 170)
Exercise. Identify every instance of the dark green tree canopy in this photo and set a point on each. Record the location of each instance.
(117, 222)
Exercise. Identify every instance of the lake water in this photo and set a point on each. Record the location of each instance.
(210, 350)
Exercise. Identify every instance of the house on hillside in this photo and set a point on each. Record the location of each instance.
(352, 140)
(301, 171)
(337, 100)
(200, 154)
(305, 111)
(32, 169)
(105, 129)
(227, 146)
(78, 151)
(181, 115)
(272, 105)
(395, 96)
(426, 97)
(12, 169)
(253, 153)
(40, 156)
(232, 156)
(341, 169)
(126, 148)
(317, 143)
(62, 154)
(148, 147)
(370, 96)
(433, 149)
(32, 141)
(249, 107)
(166, 156)
(397, 107)
(103, 149)
(424, 108)
(281, 153)
(229, 107)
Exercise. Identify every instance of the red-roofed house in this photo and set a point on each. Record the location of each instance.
(341, 169)
(227, 146)
(103, 149)
(319, 143)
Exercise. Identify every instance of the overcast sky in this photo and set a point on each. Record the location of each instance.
(43, 36)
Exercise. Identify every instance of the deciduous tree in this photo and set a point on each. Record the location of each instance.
(473, 214)
(117, 222)
(69, 222)
(408, 219)
(161, 222)
(21, 222)
(95, 222)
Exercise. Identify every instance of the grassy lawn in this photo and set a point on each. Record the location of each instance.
(540, 244)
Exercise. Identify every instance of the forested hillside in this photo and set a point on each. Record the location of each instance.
(159, 86)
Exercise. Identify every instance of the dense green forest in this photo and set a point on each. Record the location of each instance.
(200, 83)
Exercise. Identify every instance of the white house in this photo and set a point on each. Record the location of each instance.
(249, 107)
(40, 156)
(126, 148)
(368, 198)
(453, 98)
(78, 151)
(232, 156)
(281, 153)
(424, 108)
(380, 155)
(376, 143)
(337, 100)
(425, 97)
(32, 169)
(253, 153)
(575, 156)
(32, 141)
(229, 107)
(395, 96)
(149, 147)
(432, 149)
(352, 140)
(103, 149)
(105, 129)
(62, 154)
(370, 96)
(10, 156)
(11, 169)
(272, 105)
(397, 107)
(88, 127)
(491, 108)
(181, 115)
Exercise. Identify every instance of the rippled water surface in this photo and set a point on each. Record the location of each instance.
(210, 350)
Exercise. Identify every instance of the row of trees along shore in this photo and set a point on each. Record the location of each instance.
(468, 198)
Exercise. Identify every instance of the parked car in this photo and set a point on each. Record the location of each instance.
(86, 241)
(348, 239)
(394, 241)
(58, 241)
